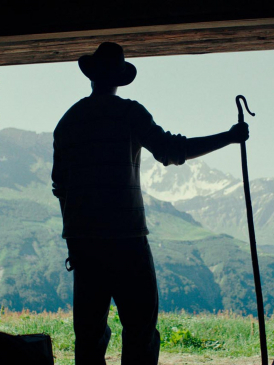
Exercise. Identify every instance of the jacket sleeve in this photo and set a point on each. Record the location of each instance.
(167, 148)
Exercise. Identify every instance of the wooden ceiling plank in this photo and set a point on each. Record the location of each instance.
(147, 42)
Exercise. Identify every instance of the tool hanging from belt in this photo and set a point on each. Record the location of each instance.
(251, 230)
(68, 262)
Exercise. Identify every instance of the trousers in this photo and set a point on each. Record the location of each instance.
(122, 269)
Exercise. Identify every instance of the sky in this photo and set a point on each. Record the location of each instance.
(193, 95)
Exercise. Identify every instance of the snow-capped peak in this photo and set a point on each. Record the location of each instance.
(173, 183)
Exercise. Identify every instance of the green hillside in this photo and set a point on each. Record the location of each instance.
(196, 270)
(167, 223)
(216, 274)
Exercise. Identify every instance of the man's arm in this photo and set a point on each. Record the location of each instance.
(173, 149)
(200, 146)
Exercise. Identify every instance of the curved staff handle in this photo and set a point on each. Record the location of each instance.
(240, 109)
(251, 230)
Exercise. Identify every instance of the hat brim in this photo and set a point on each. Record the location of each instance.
(87, 66)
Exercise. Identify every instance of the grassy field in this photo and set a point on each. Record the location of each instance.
(223, 334)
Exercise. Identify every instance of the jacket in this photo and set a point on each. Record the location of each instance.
(96, 165)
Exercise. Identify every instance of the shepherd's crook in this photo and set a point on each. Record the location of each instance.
(254, 256)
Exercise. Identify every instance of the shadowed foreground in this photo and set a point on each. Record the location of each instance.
(223, 338)
(186, 359)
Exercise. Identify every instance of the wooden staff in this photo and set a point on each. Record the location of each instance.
(254, 256)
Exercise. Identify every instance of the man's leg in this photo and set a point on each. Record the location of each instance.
(91, 303)
(136, 297)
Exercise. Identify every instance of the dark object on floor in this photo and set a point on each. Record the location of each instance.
(31, 349)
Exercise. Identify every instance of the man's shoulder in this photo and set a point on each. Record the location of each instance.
(76, 107)
(127, 107)
(138, 111)
(70, 113)
(134, 107)
(131, 102)
(110, 100)
(112, 104)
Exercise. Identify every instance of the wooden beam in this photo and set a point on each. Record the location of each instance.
(159, 40)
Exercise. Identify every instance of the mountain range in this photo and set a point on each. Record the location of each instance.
(213, 198)
(197, 268)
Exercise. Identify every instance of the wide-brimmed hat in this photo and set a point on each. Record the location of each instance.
(108, 66)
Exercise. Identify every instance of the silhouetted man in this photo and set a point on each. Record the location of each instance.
(96, 176)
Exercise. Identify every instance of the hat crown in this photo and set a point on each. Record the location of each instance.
(107, 65)
(109, 57)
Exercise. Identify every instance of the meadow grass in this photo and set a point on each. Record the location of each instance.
(221, 334)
